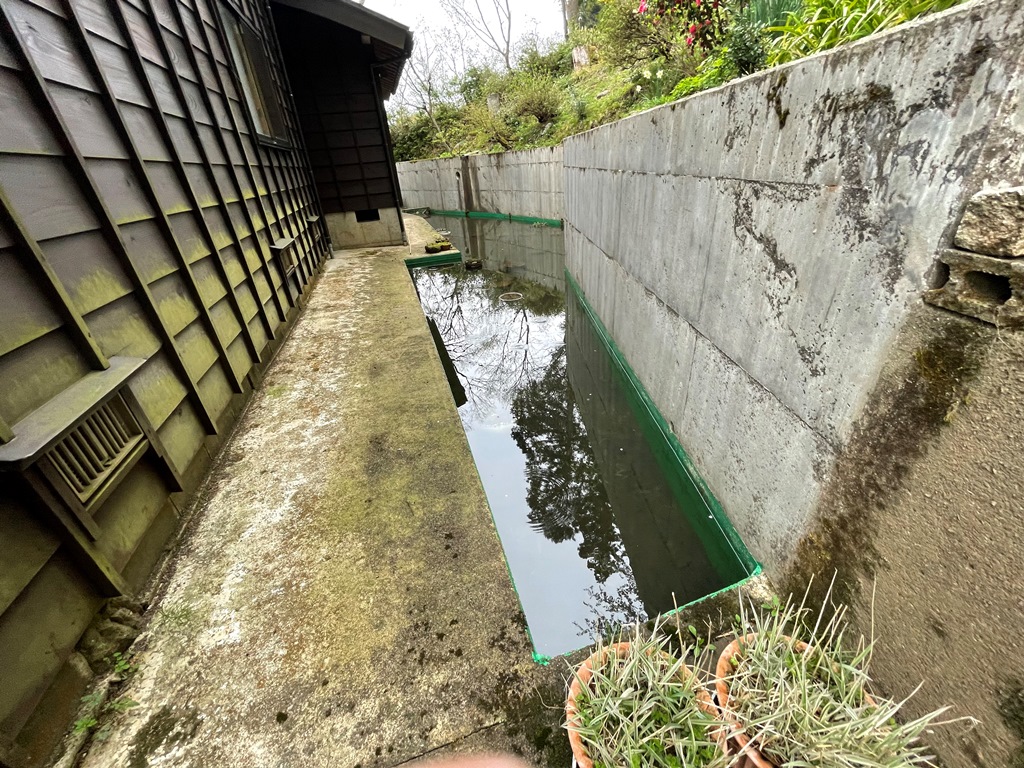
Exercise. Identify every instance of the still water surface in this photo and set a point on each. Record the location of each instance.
(597, 526)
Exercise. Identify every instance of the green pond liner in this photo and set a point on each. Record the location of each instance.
(723, 546)
(674, 459)
(434, 259)
(553, 223)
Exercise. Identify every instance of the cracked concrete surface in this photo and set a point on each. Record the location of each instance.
(339, 596)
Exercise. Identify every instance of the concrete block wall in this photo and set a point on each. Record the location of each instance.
(501, 245)
(754, 249)
(431, 184)
(527, 183)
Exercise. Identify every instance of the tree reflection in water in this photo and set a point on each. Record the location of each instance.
(511, 360)
(496, 347)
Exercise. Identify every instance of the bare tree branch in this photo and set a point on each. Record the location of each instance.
(490, 23)
(427, 79)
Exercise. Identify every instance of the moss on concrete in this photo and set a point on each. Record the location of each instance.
(922, 516)
(342, 568)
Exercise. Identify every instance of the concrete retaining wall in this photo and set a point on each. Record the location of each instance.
(527, 183)
(760, 254)
(754, 249)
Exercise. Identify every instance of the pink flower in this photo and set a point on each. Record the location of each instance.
(689, 40)
(693, 29)
(643, 7)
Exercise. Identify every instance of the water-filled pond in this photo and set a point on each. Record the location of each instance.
(598, 518)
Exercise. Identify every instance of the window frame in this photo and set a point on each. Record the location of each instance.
(248, 57)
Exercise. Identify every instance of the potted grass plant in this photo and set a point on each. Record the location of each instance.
(634, 703)
(791, 702)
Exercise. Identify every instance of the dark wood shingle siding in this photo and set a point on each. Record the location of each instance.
(340, 114)
(140, 211)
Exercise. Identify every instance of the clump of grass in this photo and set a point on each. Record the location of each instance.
(808, 703)
(642, 707)
(823, 24)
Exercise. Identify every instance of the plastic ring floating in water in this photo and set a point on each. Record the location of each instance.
(511, 296)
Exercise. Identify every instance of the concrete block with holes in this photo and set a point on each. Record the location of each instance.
(985, 287)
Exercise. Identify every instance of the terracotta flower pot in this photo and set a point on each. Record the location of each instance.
(582, 677)
(739, 742)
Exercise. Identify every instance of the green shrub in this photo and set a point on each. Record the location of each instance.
(555, 63)
(717, 69)
(476, 82)
(539, 97)
(746, 44)
(626, 38)
(748, 36)
(412, 136)
(415, 136)
(771, 13)
(485, 130)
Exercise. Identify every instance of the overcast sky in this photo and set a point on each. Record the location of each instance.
(543, 17)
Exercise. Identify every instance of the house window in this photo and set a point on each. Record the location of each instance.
(254, 71)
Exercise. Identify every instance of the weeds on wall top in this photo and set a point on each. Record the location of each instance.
(694, 44)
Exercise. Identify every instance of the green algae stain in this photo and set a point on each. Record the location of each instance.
(177, 312)
(907, 412)
(23, 331)
(97, 289)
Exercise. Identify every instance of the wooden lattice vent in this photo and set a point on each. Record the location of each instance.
(72, 453)
(89, 456)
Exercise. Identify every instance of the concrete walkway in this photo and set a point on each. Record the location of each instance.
(340, 597)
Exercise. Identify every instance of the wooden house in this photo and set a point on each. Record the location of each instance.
(172, 174)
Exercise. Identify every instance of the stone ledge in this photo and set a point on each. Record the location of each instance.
(993, 223)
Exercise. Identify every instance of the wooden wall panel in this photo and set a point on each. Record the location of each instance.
(182, 435)
(172, 195)
(149, 255)
(132, 168)
(197, 352)
(223, 315)
(37, 632)
(46, 195)
(174, 303)
(158, 390)
(28, 545)
(237, 354)
(216, 390)
(129, 513)
(96, 137)
(88, 269)
(34, 373)
(21, 133)
(121, 329)
(22, 316)
(143, 128)
(120, 189)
